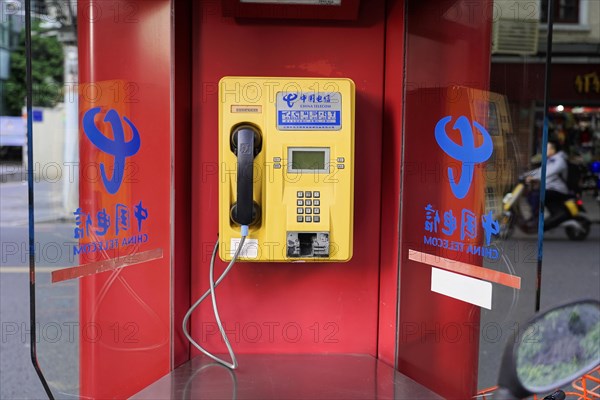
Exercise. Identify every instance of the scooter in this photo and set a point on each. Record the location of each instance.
(554, 348)
(515, 212)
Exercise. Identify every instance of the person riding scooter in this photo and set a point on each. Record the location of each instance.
(565, 209)
(557, 192)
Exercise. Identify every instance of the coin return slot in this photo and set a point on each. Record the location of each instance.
(308, 244)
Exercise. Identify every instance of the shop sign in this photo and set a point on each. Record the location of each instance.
(587, 83)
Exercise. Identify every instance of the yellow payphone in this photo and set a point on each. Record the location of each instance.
(286, 161)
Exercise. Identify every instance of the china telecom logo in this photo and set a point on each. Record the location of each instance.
(466, 153)
(117, 147)
(290, 99)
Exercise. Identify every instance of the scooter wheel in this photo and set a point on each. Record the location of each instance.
(579, 234)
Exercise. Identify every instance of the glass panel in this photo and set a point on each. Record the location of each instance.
(570, 255)
(56, 182)
(517, 76)
(462, 151)
(125, 195)
(102, 189)
(572, 209)
(473, 126)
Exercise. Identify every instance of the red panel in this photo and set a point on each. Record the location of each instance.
(447, 44)
(125, 314)
(290, 308)
(390, 191)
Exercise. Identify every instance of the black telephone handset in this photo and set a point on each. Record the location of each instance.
(246, 143)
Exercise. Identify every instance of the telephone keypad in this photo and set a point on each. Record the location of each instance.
(308, 203)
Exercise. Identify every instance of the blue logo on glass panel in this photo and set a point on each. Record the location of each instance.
(117, 146)
(466, 152)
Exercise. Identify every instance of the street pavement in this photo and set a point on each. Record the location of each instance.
(57, 313)
(571, 270)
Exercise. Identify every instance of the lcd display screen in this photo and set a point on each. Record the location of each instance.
(302, 159)
(308, 159)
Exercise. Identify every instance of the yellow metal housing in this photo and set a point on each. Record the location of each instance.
(280, 176)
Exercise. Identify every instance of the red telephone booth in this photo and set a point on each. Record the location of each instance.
(401, 318)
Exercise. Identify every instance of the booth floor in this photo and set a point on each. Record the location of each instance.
(287, 377)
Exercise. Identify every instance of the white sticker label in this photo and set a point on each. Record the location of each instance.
(462, 287)
(250, 249)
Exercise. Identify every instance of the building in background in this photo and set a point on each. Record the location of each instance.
(51, 19)
(519, 52)
(11, 24)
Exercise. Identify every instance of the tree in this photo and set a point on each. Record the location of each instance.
(47, 72)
